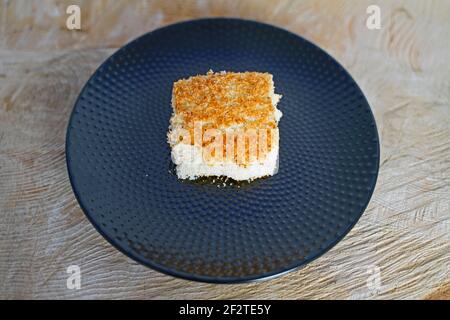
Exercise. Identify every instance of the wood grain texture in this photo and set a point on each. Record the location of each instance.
(402, 68)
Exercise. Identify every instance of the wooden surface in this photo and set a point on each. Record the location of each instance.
(403, 69)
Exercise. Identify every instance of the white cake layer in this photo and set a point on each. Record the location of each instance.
(190, 165)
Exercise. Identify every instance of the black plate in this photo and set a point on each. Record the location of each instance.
(120, 168)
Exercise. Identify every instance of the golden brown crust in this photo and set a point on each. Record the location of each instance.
(221, 100)
(225, 100)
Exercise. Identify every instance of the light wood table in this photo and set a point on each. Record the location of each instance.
(399, 249)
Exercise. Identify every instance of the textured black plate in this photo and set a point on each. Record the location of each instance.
(120, 168)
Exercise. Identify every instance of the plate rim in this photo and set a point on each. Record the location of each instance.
(191, 276)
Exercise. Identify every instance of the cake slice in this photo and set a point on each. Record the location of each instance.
(225, 124)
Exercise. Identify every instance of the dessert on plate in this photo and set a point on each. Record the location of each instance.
(225, 124)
